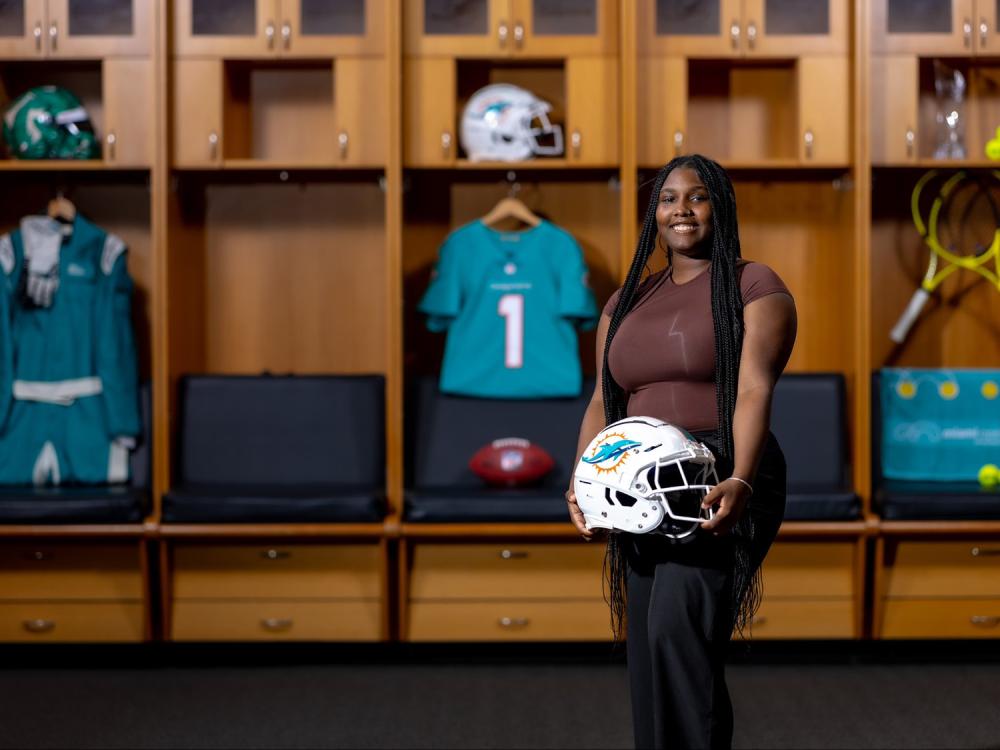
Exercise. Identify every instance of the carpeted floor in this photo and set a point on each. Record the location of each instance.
(211, 698)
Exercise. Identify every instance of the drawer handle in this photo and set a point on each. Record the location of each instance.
(514, 622)
(509, 554)
(38, 555)
(275, 554)
(985, 621)
(39, 626)
(985, 552)
(276, 625)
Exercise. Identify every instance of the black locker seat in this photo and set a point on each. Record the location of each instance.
(808, 417)
(906, 500)
(443, 433)
(91, 504)
(258, 449)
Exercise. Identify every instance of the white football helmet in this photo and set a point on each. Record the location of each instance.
(503, 122)
(643, 475)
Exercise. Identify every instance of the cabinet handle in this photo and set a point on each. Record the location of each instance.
(38, 555)
(213, 145)
(967, 33)
(269, 34)
(54, 35)
(518, 34)
(509, 554)
(342, 141)
(985, 621)
(575, 141)
(112, 141)
(809, 138)
(678, 142)
(38, 36)
(751, 34)
(286, 35)
(911, 142)
(984, 32)
(981, 552)
(734, 34)
(445, 143)
(276, 624)
(39, 626)
(758, 620)
(514, 622)
(502, 32)
(275, 554)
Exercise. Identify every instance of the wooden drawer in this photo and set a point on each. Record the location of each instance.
(804, 618)
(952, 569)
(506, 571)
(70, 571)
(941, 618)
(510, 621)
(51, 622)
(809, 569)
(277, 621)
(295, 571)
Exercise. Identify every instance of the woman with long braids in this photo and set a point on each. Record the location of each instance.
(699, 345)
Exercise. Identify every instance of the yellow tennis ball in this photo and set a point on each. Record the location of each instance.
(989, 475)
(993, 149)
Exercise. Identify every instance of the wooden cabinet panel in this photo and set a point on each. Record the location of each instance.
(543, 28)
(788, 28)
(506, 571)
(986, 26)
(476, 28)
(903, 26)
(197, 113)
(510, 621)
(226, 28)
(894, 109)
(23, 30)
(945, 569)
(592, 117)
(47, 571)
(129, 111)
(662, 109)
(277, 621)
(349, 571)
(328, 28)
(939, 618)
(429, 132)
(713, 28)
(824, 110)
(115, 28)
(361, 111)
(809, 569)
(804, 618)
(59, 622)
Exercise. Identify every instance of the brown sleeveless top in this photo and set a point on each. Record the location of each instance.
(663, 354)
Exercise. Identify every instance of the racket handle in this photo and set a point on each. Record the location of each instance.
(906, 320)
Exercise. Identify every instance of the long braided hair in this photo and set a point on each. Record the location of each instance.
(727, 317)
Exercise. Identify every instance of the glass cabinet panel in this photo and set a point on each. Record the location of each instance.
(564, 17)
(332, 17)
(458, 17)
(100, 17)
(12, 18)
(919, 16)
(223, 17)
(793, 17)
(688, 17)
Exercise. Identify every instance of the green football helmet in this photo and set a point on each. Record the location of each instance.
(48, 122)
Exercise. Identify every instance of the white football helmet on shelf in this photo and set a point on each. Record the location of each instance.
(642, 475)
(503, 122)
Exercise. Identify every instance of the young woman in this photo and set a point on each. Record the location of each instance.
(699, 345)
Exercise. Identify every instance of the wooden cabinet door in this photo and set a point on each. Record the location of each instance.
(430, 135)
(708, 28)
(100, 28)
(474, 28)
(327, 28)
(23, 29)
(662, 109)
(361, 105)
(941, 27)
(987, 27)
(789, 28)
(129, 89)
(592, 112)
(555, 28)
(226, 28)
(824, 112)
(197, 113)
(895, 83)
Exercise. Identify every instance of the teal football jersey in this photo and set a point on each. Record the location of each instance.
(511, 303)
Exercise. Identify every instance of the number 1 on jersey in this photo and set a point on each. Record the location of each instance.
(511, 308)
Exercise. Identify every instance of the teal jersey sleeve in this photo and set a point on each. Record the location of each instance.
(576, 298)
(116, 354)
(442, 302)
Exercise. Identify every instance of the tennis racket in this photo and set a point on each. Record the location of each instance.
(950, 259)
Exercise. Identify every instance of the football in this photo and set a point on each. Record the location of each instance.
(511, 462)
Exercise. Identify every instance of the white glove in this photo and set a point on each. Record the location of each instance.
(42, 256)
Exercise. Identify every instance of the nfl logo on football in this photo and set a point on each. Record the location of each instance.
(511, 460)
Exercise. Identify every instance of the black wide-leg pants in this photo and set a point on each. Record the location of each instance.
(680, 615)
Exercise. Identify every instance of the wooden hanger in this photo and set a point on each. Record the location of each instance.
(511, 207)
(61, 208)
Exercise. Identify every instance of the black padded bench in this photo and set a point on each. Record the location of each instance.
(87, 504)
(909, 500)
(808, 417)
(279, 449)
(443, 433)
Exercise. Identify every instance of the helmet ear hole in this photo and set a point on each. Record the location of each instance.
(624, 499)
